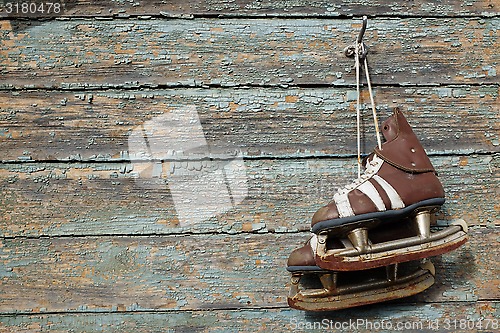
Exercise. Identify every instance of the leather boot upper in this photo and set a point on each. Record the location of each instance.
(397, 175)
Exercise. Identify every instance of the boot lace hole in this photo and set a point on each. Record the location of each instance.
(412, 150)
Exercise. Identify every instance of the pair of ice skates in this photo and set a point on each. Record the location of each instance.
(373, 241)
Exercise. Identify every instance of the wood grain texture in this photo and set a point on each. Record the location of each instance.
(129, 273)
(52, 199)
(81, 54)
(197, 272)
(273, 122)
(92, 240)
(419, 317)
(179, 8)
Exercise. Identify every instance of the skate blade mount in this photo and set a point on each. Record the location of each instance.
(358, 252)
(333, 296)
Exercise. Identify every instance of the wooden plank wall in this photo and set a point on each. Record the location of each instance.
(85, 247)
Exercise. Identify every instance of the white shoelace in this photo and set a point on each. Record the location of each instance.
(372, 167)
(359, 49)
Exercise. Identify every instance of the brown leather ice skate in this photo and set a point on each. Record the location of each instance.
(398, 185)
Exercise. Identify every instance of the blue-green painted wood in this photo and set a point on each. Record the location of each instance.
(125, 53)
(381, 319)
(198, 272)
(96, 125)
(59, 199)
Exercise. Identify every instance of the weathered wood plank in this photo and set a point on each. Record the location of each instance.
(197, 272)
(48, 125)
(126, 53)
(105, 199)
(229, 276)
(245, 8)
(377, 318)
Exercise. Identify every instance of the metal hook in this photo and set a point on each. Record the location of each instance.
(350, 50)
(363, 29)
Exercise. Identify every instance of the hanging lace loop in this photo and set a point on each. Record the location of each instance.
(359, 52)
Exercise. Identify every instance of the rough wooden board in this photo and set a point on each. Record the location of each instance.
(196, 272)
(245, 8)
(78, 54)
(419, 317)
(83, 125)
(116, 211)
(105, 199)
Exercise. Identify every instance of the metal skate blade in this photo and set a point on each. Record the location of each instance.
(462, 224)
(394, 251)
(428, 266)
(366, 293)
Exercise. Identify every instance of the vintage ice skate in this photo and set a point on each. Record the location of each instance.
(399, 189)
(316, 289)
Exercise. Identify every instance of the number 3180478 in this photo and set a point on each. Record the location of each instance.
(33, 8)
(471, 324)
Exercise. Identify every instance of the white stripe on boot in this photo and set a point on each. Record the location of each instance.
(371, 192)
(396, 201)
